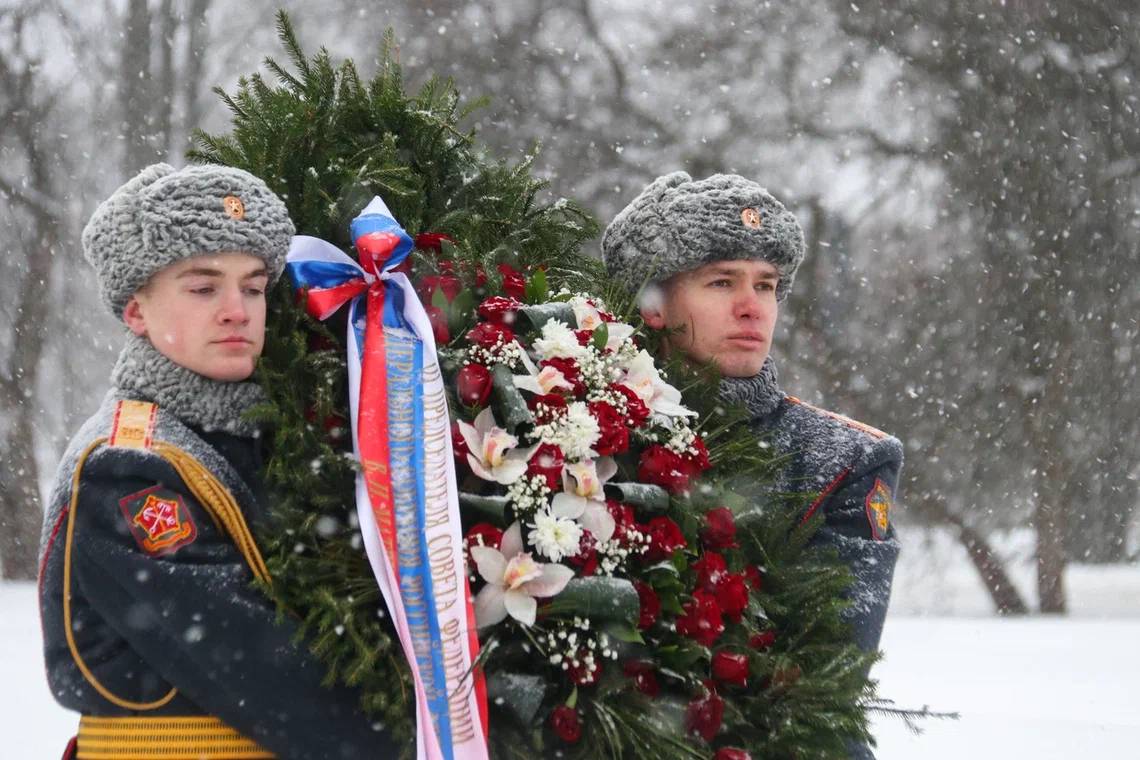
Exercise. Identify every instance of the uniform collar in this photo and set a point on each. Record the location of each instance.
(144, 373)
(760, 394)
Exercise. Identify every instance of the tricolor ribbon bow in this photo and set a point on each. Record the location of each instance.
(406, 493)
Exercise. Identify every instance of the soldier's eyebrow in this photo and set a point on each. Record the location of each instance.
(260, 271)
(199, 271)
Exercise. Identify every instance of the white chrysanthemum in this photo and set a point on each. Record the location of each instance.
(553, 536)
(557, 340)
(575, 432)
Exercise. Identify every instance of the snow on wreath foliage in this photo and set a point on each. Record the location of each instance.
(636, 592)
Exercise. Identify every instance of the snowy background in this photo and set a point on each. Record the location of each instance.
(968, 178)
(1046, 688)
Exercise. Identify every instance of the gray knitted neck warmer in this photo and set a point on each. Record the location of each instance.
(760, 393)
(143, 373)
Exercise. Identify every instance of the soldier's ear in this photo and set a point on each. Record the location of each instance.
(651, 304)
(653, 317)
(134, 317)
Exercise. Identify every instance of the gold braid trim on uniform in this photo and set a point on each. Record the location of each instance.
(224, 511)
(103, 691)
(163, 738)
(218, 500)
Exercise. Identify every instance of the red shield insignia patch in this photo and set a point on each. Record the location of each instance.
(159, 520)
(879, 509)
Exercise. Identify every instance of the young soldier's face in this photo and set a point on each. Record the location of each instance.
(205, 313)
(724, 312)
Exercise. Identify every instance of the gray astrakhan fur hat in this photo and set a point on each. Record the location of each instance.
(678, 224)
(164, 215)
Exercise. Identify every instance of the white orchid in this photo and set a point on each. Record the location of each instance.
(583, 497)
(642, 378)
(548, 379)
(589, 318)
(491, 450)
(514, 579)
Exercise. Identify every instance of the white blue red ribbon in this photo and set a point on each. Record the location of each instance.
(406, 492)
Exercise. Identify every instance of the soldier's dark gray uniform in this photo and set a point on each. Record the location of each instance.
(153, 629)
(678, 224)
(157, 591)
(853, 469)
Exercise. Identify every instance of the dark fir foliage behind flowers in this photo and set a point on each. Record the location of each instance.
(734, 641)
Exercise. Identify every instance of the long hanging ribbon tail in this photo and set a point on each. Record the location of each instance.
(406, 493)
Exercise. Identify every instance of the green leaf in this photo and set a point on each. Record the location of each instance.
(601, 336)
(626, 633)
(439, 300)
(539, 314)
(492, 507)
(510, 407)
(650, 497)
(460, 314)
(537, 289)
(598, 598)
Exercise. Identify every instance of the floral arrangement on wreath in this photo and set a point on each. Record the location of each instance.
(576, 449)
(634, 591)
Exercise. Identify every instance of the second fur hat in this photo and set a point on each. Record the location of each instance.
(677, 224)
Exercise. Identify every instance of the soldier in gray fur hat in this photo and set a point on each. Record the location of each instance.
(712, 260)
(153, 630)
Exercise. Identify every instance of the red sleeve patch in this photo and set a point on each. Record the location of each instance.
(879, 509)
(159, 520)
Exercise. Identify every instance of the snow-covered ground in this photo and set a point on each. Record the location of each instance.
(1039, 687)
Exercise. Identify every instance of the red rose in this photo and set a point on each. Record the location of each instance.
(586, 560)
(731, 753)
(438, 325)
(449, 284)
(664, 539)
(583, 674)
(701, 620)
(547, 461)
(499, 310)
(699, 456)
(431, 241)
(564, 721)
(547, 408)
(643, 675)
(730, 668)
(458, 443)
(703, 716)
(584, 336)
(474, 384)
(732, 595)
(569, 370)
(614, 435)
(514, 284)
(720, 529)
(488, 334)
(710, 568)
(650, 605)
(664, 467)
(755, 579)
(763, 640)
(481, 534)
(635, 409)
(624, 520)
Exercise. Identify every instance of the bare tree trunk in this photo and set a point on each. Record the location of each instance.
(1004, 594)
(991, 569)
(25, 108)
(197, 40)
(136, 110)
